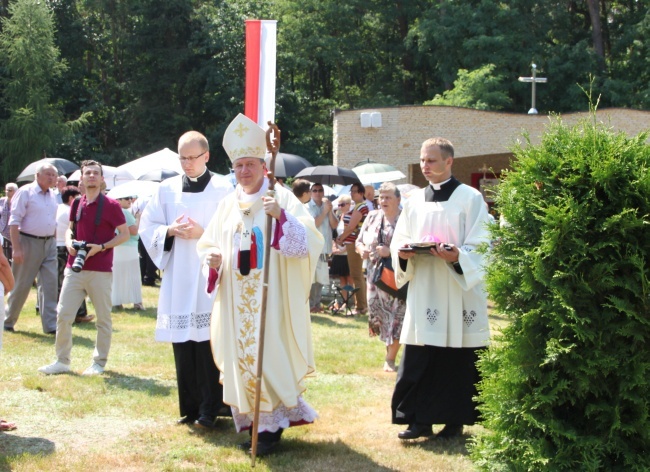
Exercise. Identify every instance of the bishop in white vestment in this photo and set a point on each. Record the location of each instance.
(233, 245)
(170, 226)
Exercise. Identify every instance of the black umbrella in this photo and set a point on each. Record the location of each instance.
(63, 166)
(328, 175)
(288, 165)
(158, 175)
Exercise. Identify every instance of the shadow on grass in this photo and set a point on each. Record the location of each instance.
(297, 454)
(456, 446)
(49, 338)
(500, 317)
(139, 384)
(13, 445)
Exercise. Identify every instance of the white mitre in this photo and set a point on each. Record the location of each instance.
(244, 138)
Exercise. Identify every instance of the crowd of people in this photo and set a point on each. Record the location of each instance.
(239, 261)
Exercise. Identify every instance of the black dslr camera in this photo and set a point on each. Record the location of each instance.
(82, 251)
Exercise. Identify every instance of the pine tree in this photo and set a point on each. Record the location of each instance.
(566, 386)
(32, 62)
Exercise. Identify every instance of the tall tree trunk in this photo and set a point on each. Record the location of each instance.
(596, 29)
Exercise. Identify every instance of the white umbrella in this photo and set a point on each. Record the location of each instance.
(375, 172)
(134, 188)
(163, 159)
(113, 176)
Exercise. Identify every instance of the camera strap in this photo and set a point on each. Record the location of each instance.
(78, 209)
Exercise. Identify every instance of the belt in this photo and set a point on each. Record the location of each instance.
(35, 237)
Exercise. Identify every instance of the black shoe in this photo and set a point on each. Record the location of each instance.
(450, 431)
(205, 422)
(11, 330)
(186, 420)
(416, 430)
(264, 448)
(51, 332)
(225, 412)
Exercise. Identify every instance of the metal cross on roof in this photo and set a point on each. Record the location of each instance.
(535, 80)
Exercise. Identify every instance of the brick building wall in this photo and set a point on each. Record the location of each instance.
(480, 138)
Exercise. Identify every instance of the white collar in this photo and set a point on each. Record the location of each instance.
(437, 186)
(195, 179)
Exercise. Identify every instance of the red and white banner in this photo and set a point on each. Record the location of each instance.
(259, 99)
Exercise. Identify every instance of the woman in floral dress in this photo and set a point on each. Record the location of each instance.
(385, 312)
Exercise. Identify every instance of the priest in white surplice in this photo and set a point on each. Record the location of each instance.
(170, 227)
(233, 246)
(446, 323)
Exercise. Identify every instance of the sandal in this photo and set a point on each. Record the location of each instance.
(7, 426)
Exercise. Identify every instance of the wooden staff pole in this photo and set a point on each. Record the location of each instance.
(273, 146)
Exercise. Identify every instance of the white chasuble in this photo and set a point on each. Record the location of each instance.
(184, 307)
(444, 308)
(288, 350)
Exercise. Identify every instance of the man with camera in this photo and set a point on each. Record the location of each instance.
(97, 225)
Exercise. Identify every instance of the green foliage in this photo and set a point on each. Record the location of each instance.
(147, 70)
(566, 385)
(478, 89)
(32, 61)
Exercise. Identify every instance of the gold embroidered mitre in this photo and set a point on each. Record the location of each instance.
(244, 138)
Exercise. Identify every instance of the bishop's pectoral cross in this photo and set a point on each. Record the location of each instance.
(535, 80)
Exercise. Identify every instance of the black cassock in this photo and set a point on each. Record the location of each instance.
(200, 395)
(435, 385)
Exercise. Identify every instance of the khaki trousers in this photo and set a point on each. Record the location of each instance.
(75, 287)
(355, 262)
(40, 260)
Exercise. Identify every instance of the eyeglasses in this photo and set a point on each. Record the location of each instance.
(190, 158)
(317, 190)
(127, 198)
(343, 204)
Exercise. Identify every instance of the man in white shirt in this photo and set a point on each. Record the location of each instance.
(321, 209)
(32, 226)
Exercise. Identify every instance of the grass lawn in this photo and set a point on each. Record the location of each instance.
(125, 419)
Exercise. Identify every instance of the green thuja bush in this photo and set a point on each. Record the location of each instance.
(566, 385)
